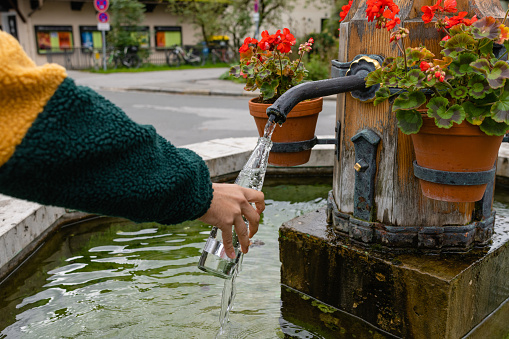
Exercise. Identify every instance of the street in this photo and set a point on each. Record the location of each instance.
(186, 119)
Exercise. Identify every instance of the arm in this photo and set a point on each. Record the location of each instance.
(66, 145)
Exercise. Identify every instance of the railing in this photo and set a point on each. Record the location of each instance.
(88, 58)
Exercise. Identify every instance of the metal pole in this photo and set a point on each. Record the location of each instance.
(104, 49)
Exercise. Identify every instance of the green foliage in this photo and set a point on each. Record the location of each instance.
(317, 69)
(126, 16)
(468, 83)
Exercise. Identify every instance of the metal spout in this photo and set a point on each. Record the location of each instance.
(278, 111)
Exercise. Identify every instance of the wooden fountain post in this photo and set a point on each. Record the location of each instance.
(371, 257)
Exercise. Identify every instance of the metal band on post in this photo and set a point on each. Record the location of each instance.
(453, 178)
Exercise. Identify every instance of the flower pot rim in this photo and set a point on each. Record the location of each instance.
(308, 107)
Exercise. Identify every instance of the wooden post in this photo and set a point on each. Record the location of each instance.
(398, 197)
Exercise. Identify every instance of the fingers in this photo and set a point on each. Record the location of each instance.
(252, 217)
(241, 230)
(257, 198)
(227, 234)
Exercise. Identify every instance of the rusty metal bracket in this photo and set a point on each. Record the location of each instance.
(432, 239)
(366, 145)
(453, 178)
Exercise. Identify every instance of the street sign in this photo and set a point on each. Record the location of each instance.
(101, 5)
(103, 17)
(103, 27)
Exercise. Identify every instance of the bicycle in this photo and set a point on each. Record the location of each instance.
(128, 58)
(222, 53)
(176, 55)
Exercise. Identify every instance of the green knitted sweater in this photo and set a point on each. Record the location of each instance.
(83, 152)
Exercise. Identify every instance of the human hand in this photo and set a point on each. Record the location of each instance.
(229, 203)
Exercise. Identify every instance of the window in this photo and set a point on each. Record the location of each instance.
(90, 37)
(54, 39)
(141, 34)
(168, 36)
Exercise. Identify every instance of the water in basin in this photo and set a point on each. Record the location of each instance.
(111, 278)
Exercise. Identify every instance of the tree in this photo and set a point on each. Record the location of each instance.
(204, 15)
(126, 16)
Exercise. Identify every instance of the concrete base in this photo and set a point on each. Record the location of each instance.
(408, 295)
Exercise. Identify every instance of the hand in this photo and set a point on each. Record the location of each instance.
(229, 203)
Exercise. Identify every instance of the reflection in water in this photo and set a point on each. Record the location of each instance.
(113, 278)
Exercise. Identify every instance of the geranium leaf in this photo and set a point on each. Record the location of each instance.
(475, 114)
(478, 87)
(486, 47)
(409, 100)
(269, 89)
(444, 118)
(411, 79)
(417, 54)
(498, 74)
(264, 74)
(235, 71)
(462, 66)
(409, 121)
(452, 52)
(459, 92)
(500, 109)
(487, 27)
(491, 127)
(462, 41)
(482, 66)
(381, 95)
(391, 81)
(375, 77)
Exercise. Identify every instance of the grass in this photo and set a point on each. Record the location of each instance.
(152, 68)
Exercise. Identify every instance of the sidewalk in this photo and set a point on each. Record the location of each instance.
(200, 81)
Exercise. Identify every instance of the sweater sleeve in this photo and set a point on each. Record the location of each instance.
(83, 152)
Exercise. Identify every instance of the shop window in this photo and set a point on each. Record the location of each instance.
(141, 34)
(54, 39)
(168, 36)
(91, 38)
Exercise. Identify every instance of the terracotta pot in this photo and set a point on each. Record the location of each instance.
(300, 125)
(462, 148)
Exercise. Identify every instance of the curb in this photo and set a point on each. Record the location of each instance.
(197, 91)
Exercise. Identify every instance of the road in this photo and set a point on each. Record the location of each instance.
(187, 119)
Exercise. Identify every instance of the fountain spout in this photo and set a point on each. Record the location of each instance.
(352, 82)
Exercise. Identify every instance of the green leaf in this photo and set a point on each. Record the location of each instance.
(500, 72)
(235, 71)
(486, 27)
(391, 80)
(409, 121)
(375, 77)
(462, 66)
(409, 100)
(500, 109)
(481, 66)
(478, 87)
(412, 79)
(491, 127)
(458, 43)
(269, 90)
(381, 95)
(486, 47)
(475, 114)
(444, 116)
(459, 92)
(455, 113)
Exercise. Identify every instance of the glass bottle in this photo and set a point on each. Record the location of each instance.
(214, 259)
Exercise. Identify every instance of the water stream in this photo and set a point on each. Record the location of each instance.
(252, 176)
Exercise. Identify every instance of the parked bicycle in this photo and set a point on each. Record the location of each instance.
(177, 56)
(128, 57)
(222, 53)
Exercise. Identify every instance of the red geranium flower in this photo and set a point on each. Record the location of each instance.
(429, 11)
(345, 9)
(287, 41)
